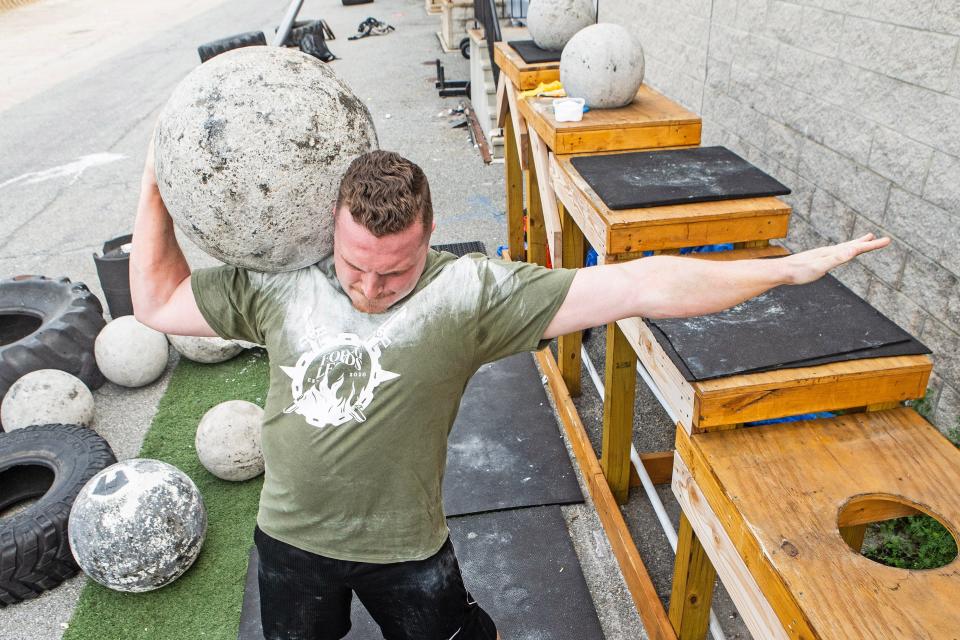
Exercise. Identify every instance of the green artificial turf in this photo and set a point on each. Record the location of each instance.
(205, 601)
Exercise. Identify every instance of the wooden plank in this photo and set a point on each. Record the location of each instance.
(692, 592)
(677, 392)
(619, 392)
(659, 466)
(785, 523)
(568, 346)
(733, 573)
(519, 126)
(578, 206)
(854, 536)
(514, 184)
(651, 120)
(863, 510)
(635, 574)
(548, 200)
(828, 387)
(524, 75)
(537, 249)
(503, 103)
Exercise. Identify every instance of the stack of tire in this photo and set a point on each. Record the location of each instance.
(45, 324)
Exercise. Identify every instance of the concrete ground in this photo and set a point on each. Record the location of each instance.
(83, 83)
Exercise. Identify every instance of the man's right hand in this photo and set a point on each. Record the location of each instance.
(159, 274)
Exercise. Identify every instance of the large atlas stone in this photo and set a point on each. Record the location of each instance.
(129, 353)
(47, 396)
(553, 22)
(603, 64)
(250, 149)
(205, 350)
(137, 525)
(228, 440)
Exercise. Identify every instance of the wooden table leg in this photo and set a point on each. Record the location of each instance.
(618, 396)
(693, 578)
(536, 234)
(568, 346)
(514, 182)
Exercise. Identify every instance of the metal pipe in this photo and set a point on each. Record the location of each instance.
(645, 480)
(285, 25)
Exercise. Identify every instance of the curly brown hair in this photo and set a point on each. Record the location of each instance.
(385, 193)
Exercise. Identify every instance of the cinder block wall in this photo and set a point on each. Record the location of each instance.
(855, 105)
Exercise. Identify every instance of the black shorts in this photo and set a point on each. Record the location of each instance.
(304, 596)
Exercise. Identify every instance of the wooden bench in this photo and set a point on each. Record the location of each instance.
(779, 513)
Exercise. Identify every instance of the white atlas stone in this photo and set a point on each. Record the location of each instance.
(250, 149)
(129, 353)
(553, 22)
(603, 64)
(205, 350)
(137, 525)
(47, 396)
(228, 440)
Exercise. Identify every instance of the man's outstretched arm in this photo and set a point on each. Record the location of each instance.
(159, 274)
(675, 287)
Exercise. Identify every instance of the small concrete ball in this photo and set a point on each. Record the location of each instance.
(47, 396)
(137, 525)
(603, 64)
(250, 149)
(129, 353)
(228, 440)
(205, 350)
(553, 22)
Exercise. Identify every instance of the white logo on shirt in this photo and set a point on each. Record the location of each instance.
(334, 381)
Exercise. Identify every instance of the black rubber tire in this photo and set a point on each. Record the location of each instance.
(215, 48)
(34, 548)
(465, 48)
(70, 318)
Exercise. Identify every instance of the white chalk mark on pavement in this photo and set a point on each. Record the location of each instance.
(71, 170)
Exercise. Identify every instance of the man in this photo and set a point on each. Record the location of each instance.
(370, 351)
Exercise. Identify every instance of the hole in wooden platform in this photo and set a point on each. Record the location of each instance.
(897, 532)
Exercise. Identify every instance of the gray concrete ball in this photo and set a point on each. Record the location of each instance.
(47, 396)
(137, 525)
(553, 22)
(205, 350)
(228, 440)
(603, 64)
(130, 354)
(250, 149)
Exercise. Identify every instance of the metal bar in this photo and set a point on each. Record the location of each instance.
(285, 25)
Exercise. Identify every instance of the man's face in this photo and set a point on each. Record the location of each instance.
(377, 272)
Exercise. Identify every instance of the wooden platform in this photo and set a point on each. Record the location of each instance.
(522, 74)
(718, 404)
(772, 507)
(626, 234)
(651, 121)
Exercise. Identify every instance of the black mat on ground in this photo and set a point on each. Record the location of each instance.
(676, 176)
(519, 565)
(532, 54)
(506, 450)
(461, 249)
(790, 326)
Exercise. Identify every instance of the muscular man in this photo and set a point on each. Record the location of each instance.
(370, 351)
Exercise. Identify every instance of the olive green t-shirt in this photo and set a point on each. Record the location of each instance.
(360, 405)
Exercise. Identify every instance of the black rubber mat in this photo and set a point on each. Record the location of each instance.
(532, 54)
(461, 249)
(506, 450)
(519, 565)
(675, 176)
(790, 326)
